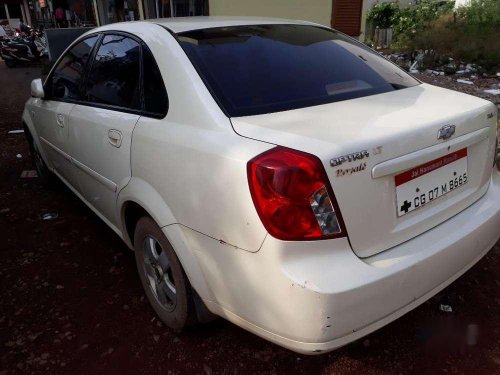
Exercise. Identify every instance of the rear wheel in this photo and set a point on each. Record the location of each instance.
(165, 282)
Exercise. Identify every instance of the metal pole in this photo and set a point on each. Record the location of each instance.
(22, 14)
(7, 12)
(27, 12)
(97, 20)
(141, 10)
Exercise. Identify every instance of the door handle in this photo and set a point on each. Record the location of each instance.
(60, 120)
(115, 137)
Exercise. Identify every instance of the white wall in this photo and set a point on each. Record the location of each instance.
(459, 3)
(319, 11)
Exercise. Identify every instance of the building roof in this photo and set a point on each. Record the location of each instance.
(182, 24)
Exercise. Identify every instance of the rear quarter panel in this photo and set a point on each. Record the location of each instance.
(200, 174)
(193, 158)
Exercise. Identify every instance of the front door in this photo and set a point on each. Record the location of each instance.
(51, 114)
(51, 119)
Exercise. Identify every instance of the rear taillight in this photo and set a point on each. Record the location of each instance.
(293, 197)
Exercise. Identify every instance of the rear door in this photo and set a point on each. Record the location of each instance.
(102, 125)
(62, 90)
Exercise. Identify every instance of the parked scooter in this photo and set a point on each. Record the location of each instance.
(28, 45)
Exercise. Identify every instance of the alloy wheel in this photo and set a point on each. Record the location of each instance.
(158, 272)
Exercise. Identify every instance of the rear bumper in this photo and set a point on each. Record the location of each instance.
(316, 296)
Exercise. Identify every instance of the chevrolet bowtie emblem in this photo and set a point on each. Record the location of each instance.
(446, 132)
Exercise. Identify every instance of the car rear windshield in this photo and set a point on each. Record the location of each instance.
(260, 69)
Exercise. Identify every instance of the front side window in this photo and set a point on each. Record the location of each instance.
(260, 69)
(114, 78)
(66, 79)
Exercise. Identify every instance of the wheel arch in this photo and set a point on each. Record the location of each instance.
(31, 134)
(132, 212)
(140, 199)
(28, 124)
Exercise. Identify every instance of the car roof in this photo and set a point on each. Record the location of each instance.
(144, 29)
(182, 24)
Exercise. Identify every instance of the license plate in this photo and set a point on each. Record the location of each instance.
(427, 182)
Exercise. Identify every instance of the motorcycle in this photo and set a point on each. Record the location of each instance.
(28, 45)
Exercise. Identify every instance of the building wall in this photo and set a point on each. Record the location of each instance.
(319, 11)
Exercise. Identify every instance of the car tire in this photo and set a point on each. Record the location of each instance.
(46, 176)
(162, 276)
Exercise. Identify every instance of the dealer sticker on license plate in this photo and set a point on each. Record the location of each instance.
(427, 182)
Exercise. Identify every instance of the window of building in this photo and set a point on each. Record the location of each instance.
(187, 8)
(175, 8)
(111, 11)
(115, 73)
(164, 7)
(65, 81)
(73, 13)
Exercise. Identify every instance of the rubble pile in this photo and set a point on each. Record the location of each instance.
(450, 72)
(425, 60)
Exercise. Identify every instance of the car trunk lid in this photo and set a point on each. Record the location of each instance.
(365, 143)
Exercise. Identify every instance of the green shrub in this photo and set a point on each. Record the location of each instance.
(470, 33)
(383, 14)
(416, 18)
(481, 14)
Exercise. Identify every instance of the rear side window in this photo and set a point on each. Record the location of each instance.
(260, 69)
(155, 95)
(66, 79)
(114, 78)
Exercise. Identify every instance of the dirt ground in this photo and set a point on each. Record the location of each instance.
(71, 301)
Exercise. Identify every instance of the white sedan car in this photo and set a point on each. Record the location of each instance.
(273, 172)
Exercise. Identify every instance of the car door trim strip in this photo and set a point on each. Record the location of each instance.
(103, 180)
(58, 150)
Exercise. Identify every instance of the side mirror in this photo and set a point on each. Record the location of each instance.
(37, 88)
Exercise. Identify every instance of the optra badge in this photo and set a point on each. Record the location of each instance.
(349, 157)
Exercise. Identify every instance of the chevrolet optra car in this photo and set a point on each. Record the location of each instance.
(275, 173)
